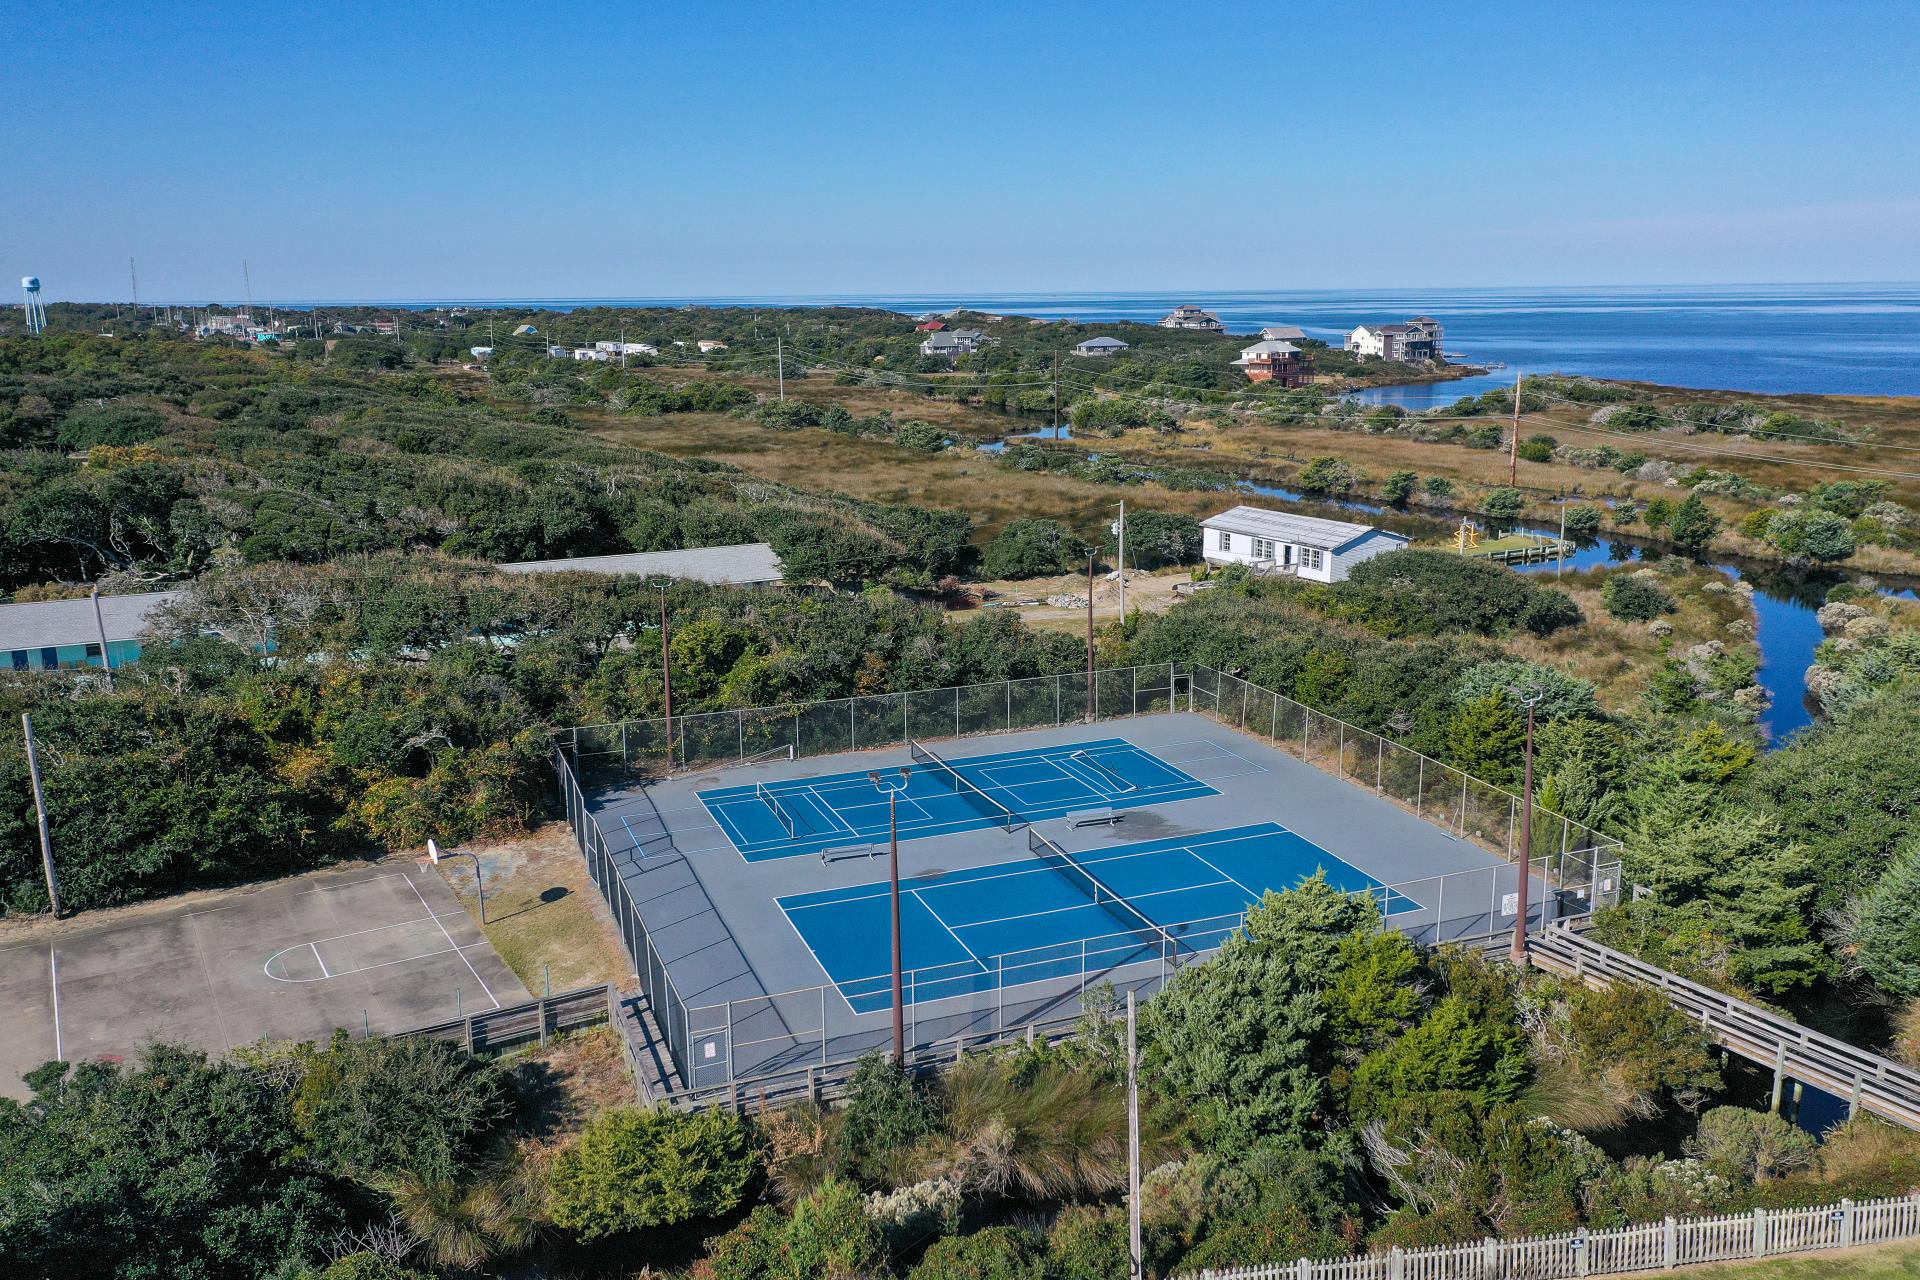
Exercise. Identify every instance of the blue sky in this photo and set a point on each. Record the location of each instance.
(396, 151)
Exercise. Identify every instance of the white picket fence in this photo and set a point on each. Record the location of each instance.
(1652, 1246)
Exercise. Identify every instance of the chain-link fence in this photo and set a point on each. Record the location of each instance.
(651, 748)
(810, 1037)
(1576, 857)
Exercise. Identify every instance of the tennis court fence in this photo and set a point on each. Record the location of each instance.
(808, 1040)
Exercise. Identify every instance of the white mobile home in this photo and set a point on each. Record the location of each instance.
(1303, 546)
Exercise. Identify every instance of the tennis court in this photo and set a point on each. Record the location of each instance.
(1059, 913)
(944, 796)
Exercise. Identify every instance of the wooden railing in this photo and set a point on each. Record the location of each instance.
(1866, 1080)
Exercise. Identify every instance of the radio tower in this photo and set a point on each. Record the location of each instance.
(36, 309)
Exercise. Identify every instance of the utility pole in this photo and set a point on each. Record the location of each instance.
(100, 624)
(1529, 700)
(247, 273)
(134, 272)
(780, 361)
(1056, 395)
(1513, 445)
(40, 808)
(623, 343)
(1561, 558)
(666, 674)
(1136, 1260)
(1089, 638)
(1120, 556)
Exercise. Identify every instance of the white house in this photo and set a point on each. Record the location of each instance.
(712, 344)
(1100, 347)
(1417, 339)
(480, 353)
(1283, 333)
(591, 353)
(1278, 542)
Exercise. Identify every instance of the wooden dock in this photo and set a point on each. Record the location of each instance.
(1521, 548)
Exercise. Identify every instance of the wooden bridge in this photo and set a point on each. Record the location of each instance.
(1795, 1053)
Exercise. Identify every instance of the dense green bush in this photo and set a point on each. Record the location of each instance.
(1633, 598)
(1156, 539)
(1751, 1146)
(1584, 521)
(1328, 475)
(416, 1106)
(1812, 535)
(991, 1253)
(1429, 592)
(1033, 548)
(1503, 503)
(637, 1167)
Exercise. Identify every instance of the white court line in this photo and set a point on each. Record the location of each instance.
(928, 908)
(53, 962)
(1217, 871)
(450, 942)
(329, 888)
(315, 947)
(210, 910)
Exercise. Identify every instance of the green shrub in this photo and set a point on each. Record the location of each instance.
(1537, 448)
(369, 1266)
(1632, 598)
(921, 437)
(1812, 535)
(1692, 525)
(1033, 548)
(886, 1111)
(1584, 521)
(1438, 487)
(1328, 475)
(636, 1167)
(831, 1236)
(111, 424)
(993, 1253)
(418, 1106)
(1088, 1243)
(1159, 538)
(1564, 696)
(1751, 1146)
(1399, 487)
(1503, 503)
(1432, 592)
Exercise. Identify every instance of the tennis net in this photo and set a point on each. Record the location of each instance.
(1116, 906)
(779, 810)
(981, 800)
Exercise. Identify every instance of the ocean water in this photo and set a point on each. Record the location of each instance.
(1862, 339)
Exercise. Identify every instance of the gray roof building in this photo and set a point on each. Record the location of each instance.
(747, 564)
(52, 624)
(1101, 346)
(1283, 526)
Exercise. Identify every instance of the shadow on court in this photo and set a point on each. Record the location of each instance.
(377, 949)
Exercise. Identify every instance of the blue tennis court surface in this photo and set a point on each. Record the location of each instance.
(840, 810)
(1026, 921)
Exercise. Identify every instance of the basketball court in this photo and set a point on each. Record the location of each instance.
(372, 949)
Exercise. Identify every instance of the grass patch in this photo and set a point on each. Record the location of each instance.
(1880, 1262)
(544, 916)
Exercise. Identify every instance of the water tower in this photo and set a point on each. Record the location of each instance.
(36, 309)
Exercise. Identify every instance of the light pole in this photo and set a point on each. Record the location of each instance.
(893, 873)
(1530, 699)
(436, 855)
(666, 674)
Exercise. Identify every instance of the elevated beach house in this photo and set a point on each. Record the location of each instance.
(1279, 542)
(1280, 362)
(1100, 347)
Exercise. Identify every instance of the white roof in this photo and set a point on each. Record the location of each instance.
(1282, 526)
(1283, 332)
(746, 563)
(51, 623)
(1268, 349)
